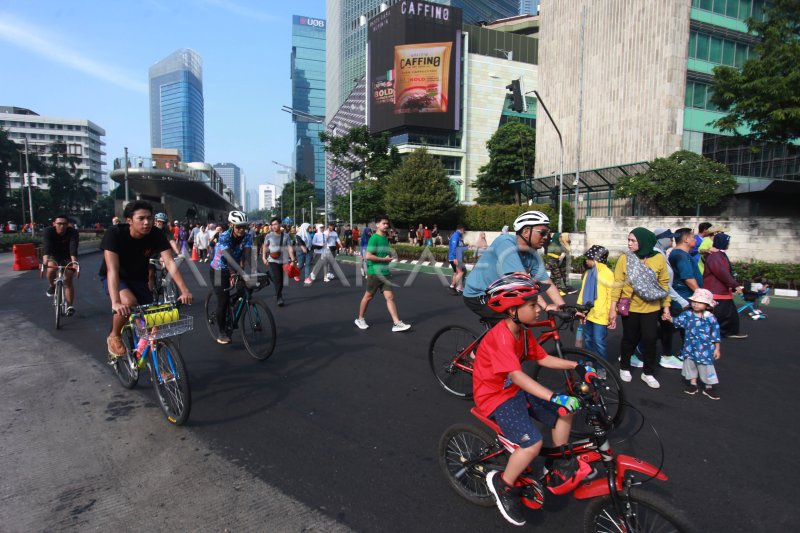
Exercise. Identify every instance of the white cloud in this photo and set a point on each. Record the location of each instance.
(238, 9)
(31, 38)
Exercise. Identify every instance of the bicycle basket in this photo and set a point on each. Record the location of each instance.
(161, 321)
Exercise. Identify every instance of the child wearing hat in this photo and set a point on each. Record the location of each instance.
(596, 291)
(701, 345)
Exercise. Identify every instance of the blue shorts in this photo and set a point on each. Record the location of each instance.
(139, 289)
(514, 418)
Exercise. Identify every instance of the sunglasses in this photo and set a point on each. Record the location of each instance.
(541, 232)
(241, 227)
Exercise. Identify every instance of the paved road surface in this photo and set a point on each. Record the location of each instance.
(339, 429)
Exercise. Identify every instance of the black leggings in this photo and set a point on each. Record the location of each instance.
(636, 328)
(728, 317)
(276, 271)
(220, 286)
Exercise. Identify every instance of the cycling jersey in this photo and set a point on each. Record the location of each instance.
(501, 258)
(234, 247)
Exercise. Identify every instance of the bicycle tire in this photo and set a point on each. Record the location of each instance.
(647, 512)
(125, 366)
(611, 394)
(444, 346)
(171, 382)
(258, 330)
(59, 299)
(460, 444)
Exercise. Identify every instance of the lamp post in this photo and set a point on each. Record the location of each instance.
(561, 164)
(311, 217)
(30, 186)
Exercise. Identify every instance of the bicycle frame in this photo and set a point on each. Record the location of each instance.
(149, 349)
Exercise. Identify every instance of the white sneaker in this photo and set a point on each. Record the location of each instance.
(400, 326)
(327, 279)
(636, 362)
(651, 381)
(625, 375)
(670, 361)
(330, 275)
(313, 277)
(361, 323)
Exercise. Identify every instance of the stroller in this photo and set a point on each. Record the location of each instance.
(755, 293)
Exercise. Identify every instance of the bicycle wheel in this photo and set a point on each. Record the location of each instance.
(211, 314)
(645, 512)
(454, 374)
(59, 300)
(125, 366)
(460, 451)
(171, 382)
(258, 329)
(609, 392)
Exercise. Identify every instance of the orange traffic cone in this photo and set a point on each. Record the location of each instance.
(195, 257)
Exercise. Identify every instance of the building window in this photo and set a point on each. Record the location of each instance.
(736, 9)
(717, 50)
(698, 96)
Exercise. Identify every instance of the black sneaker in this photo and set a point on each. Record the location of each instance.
(690, 388)
(711, 392)
(50, 291)
(280, 302)
(507, 498)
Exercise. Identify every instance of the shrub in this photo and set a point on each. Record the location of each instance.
(494, 217)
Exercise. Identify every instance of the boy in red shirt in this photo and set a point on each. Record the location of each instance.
(506, 394)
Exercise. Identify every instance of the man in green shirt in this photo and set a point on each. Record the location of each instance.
(378, 255)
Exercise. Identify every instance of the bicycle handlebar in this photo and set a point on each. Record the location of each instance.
(72, 265)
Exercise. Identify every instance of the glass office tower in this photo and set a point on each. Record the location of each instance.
(308, 97)
(176, 105)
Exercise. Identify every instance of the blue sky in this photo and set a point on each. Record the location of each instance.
(89, 59)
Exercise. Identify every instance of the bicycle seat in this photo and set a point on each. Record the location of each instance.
(486, 420)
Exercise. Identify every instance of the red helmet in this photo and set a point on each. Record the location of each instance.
(512, 290)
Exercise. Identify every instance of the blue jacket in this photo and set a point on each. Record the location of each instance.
(456, 242)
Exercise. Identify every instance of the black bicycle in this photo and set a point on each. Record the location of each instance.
(164, 289)
(59, 296)
(252, 316)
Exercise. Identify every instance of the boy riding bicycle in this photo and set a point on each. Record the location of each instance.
(506, 394)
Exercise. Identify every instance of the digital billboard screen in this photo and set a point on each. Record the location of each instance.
(414, 67)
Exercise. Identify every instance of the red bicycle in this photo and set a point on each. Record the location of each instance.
(453, 349)
(467, 454)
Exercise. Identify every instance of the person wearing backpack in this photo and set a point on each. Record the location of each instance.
(640, 295)
(276, 252)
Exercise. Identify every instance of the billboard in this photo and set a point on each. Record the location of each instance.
(414, 67)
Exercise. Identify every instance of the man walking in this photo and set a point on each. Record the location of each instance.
(276, 252)
(379, 255)
(456, 257)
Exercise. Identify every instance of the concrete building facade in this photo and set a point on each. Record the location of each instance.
(83, 140)
(233, 178)
(267, 194)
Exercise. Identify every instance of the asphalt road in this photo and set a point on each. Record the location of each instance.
(345, 423)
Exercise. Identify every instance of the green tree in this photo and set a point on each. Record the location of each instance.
(367, 202)
(765, 94)
(512, 152)
(680, 182)
(289, 199)
(419, 190)
(363, 154)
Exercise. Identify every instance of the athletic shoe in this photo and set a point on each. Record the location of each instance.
(361, 323)
(636, 362)
(313, 277)
(625, 375)
(400, 326)
(737, 336)
(330, 275)
(711, 392)
(70, 311)
(280, 302)
(50, 291)
(223, 338)
(507, 498)
(690, 388)
(307, 281)
(670, 361)
(327, 279)
(115, 346)
(651, 381)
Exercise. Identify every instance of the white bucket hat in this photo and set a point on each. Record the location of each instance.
(703, 296)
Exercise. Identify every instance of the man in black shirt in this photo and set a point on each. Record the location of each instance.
(60, 243)
(127, 249)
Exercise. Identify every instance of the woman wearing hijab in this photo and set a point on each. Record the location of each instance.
(302, 243)
(717, 278)
(640, 294)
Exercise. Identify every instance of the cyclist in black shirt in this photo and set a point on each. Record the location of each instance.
(127, 249)
(60, 242)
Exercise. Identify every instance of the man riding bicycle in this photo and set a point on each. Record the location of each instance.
(126, 252)
(509, 254)
(60, 242)
(161, 223)
(228, 254)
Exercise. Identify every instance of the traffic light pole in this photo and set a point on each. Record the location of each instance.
(561, 165)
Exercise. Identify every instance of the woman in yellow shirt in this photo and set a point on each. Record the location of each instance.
(596, 290)
(641, 297)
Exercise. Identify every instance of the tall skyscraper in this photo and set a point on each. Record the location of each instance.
(347, 38)
(308, 97)
(232, 177)
(267, 194)
(176, 105)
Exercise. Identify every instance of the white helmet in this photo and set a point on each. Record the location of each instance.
(531, 218)
(237, 217)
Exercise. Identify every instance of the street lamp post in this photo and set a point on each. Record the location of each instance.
(561, 165)
(312, 209)
(30, 186)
